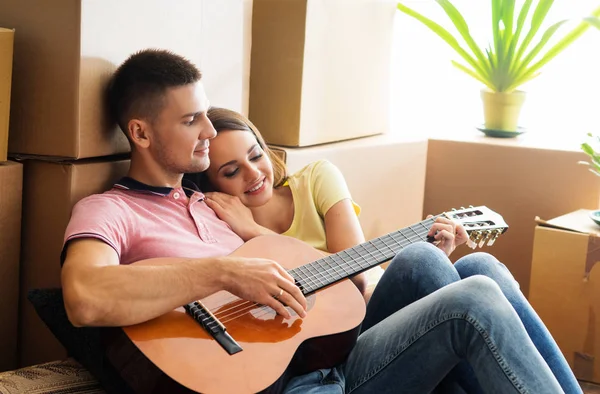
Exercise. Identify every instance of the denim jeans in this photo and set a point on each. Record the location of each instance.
(426, 330)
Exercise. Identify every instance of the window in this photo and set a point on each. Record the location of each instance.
(430, 95)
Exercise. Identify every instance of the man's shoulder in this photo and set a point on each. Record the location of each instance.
(108, 199)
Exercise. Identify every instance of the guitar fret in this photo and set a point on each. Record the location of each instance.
(327, 268)
(315, 274)
(314, 280)
(346, 263)
(350, 257)
(309, 282)
(344, 272)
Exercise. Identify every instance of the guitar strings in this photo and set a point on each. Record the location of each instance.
(247, 306)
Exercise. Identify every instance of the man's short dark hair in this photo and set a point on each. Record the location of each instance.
(138, 86)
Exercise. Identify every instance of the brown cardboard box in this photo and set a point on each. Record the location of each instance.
(517, 178)
(385, 175)
(50, 191)
(320, 70)
(11, 186)
(7, 37)
(66, 50)
(565, 288)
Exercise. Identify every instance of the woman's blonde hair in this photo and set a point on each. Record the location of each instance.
(224, 119)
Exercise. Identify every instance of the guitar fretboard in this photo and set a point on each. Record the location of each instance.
(333, 268)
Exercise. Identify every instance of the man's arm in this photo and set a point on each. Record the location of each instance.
(98, 291)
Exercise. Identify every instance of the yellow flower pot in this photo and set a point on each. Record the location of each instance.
(501, 111)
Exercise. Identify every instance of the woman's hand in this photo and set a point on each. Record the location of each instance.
(448, 234)
(239, 217)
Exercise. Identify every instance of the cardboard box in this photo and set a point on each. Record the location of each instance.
(565, 288)
(66, 50)
(517, 178)
(320, 69)
(7, 37)
(50, 191)
(11, 187)
(385, 175)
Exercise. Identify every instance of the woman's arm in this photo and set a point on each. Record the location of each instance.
(343, 231)
(239, 217)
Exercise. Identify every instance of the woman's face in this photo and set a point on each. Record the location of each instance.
(239, 167)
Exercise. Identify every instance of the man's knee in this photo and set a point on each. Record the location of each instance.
(420, 256)
(481, 263)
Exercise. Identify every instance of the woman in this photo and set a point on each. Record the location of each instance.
(249, 189)
(255, 195)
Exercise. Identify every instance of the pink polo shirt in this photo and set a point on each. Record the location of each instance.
(141, 222)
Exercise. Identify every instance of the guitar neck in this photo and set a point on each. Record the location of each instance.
(335, 267)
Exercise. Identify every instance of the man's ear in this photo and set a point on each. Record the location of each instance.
(138, 131)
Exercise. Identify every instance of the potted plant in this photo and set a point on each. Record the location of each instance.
(515, 56)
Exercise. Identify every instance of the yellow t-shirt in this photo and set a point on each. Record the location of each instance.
(315, 189)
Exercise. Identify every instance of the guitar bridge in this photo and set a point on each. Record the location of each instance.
(213, 326)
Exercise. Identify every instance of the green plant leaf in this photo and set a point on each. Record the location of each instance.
(552, 52)
(539, 14)
(444, 35)
(593, 21)
(461, 26)
(473, 74)
(520, 24)
(505, 63)
(533, 53)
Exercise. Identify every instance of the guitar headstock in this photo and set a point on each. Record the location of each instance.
(482, 224)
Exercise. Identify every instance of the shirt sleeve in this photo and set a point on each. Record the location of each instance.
(96, 217)
(329, 187)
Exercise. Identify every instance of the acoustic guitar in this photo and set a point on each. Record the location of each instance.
(225, 345)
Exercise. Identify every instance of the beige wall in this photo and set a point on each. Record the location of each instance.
(516, 179)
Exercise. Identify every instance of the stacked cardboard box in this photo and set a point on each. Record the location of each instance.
(7, 37)
(565, 287)
(320, 70)
(11, 182)
(65, 52)
(11, 178)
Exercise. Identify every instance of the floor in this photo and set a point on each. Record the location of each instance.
(589, 388)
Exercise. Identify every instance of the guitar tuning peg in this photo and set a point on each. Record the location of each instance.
(453, 209)
(486, 235)
(462, 207)
(495, 237)
(470, 206)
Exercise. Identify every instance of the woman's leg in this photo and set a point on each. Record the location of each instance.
(411, 350)
(418, 270)
(487, 265)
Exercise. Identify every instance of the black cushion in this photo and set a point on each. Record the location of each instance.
(84, 344)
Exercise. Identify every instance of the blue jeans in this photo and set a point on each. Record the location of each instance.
(426, 330)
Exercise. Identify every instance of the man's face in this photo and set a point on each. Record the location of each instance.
(180, 134)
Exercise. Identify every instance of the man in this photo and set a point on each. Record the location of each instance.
(180, 248)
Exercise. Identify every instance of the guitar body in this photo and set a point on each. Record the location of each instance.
(174, 353)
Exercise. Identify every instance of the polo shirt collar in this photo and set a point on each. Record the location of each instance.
(128, 183)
